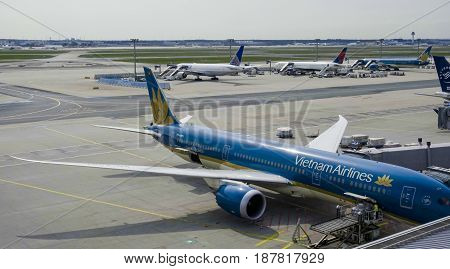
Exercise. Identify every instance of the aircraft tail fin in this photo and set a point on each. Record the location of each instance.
(162, 114)
(443, 71)
(237, 59)
(423, 57)
(341, 56)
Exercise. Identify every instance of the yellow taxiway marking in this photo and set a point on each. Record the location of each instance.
(78, 197)
(288, 245)
(98, 143)
(270, 238)
(85, 198)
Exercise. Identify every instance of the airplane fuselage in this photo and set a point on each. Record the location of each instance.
(309, 66)
(397, 61)
(398, 190)
(209, 70)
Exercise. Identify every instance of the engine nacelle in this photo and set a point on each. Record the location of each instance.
(241, 201)
(374, 67)
(180, 75)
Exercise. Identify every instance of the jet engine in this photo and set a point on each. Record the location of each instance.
(374, 67)
(241, 200)
(180, 75)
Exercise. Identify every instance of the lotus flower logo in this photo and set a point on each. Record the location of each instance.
(160, 109)
(384, 181)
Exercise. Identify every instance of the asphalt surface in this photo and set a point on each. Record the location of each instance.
(39, 105)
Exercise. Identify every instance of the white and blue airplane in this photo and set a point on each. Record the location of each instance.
(234, 165)
(394, 63)
(304, 66)
(182, 70)
(443, 71)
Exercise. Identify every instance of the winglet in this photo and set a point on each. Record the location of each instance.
(331, 138)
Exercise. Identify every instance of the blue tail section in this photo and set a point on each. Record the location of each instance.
(237, 59)
(341, 56)
(162, 114)
(443, 70)
(423, 57)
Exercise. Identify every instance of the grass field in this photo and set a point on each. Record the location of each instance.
(251, 54)
(17, 55)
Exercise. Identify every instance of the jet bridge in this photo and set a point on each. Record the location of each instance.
(431, 235)
(443, 116)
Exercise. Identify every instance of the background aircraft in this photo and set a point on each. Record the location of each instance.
(312, 66)
(181, 71)
(443, 71)
(393, 63)
(239, 165)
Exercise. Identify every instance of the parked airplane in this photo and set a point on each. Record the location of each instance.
(181, 71)
(443, 72)
(312, 66)
(394, 63)
(317, 170)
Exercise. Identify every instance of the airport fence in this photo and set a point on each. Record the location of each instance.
(130, 83)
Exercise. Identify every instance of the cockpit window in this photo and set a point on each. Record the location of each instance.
(444, 201)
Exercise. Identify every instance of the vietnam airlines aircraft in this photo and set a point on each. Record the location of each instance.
(313, 66)
(181, 71)
(395, 62)
(238, 164)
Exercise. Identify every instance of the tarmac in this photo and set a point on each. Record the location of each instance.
(47, 112)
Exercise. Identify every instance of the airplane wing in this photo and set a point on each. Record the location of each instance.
(331, 138)
(193, 73)
(236, 175)
(426, 94)
(186, 119)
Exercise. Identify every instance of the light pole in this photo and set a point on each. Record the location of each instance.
(270, 66)
(381, 47)
(418, 46)
(134, 40)
(317, 50)
(231, 42)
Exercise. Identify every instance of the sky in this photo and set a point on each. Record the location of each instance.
(212, 19)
